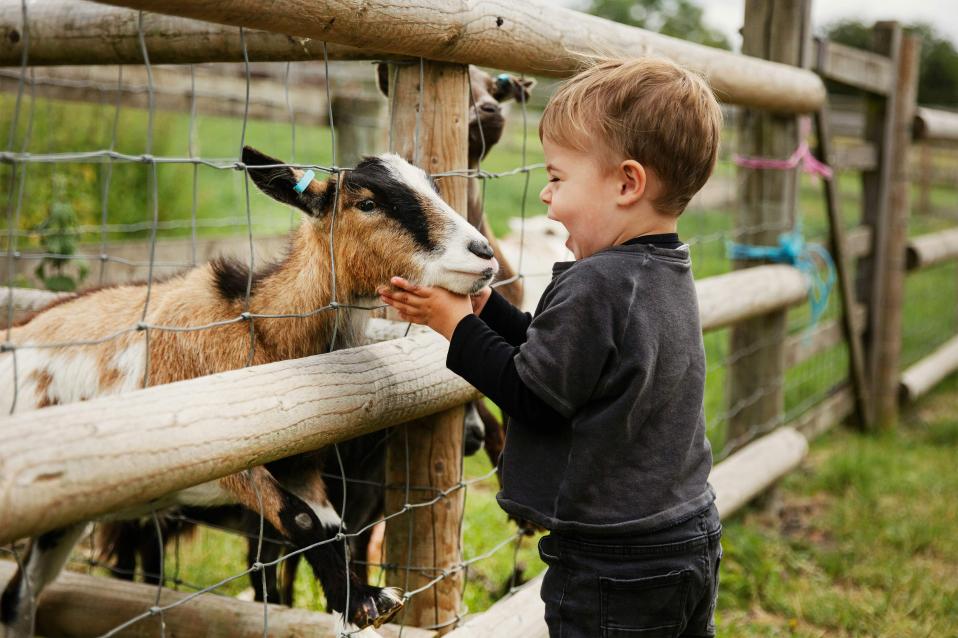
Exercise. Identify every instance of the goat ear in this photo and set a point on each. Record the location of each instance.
(382, 78)
(279, 183)
(524, 88)
(506, 87)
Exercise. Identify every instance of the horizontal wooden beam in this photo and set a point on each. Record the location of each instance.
(860, 157)
(928, 250)
(935, 125)
(81, 606)
(742, 294)
(736, 480)
(215, 93)
(69, 463)
(531, 37)
(924, 375)
(826, 335)
(752, 469)
(80, 32)
(855, 67)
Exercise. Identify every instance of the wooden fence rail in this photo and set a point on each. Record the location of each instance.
(935, 125)
(534, 37)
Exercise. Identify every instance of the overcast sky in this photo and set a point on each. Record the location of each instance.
(726, 15)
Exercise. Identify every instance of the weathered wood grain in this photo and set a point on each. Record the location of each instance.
(528, 37)
(855, 67)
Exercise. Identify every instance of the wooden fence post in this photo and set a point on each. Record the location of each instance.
(424, 542)
(885, 207)
(777, 31)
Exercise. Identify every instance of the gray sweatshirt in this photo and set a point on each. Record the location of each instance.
(615, 349)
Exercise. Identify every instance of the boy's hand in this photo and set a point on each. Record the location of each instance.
(437, 308)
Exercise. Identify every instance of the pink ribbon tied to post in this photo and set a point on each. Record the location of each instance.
(802, 155)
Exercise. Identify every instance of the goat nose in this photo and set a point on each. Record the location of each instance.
(480, 249)
(489, 107)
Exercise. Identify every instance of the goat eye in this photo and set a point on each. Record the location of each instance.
(367, 205)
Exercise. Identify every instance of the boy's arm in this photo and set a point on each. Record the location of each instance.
(483, 358)
(506, 319)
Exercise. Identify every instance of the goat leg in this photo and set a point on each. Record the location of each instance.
(314, 525)
(44, 561)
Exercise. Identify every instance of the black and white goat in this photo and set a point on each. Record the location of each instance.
(389, 220)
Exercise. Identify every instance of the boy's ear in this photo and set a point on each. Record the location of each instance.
(279, 181)
(633, 181)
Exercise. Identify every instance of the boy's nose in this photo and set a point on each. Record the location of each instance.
(544, 195)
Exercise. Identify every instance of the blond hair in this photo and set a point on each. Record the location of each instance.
(648, 109)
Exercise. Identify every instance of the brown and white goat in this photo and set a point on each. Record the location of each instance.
(389, 219)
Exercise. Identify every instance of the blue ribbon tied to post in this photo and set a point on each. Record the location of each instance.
(811, 259)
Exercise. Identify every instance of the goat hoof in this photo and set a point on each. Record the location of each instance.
(378, 607)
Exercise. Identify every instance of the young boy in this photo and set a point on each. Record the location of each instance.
(606, 448)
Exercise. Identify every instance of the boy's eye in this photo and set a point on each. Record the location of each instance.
(553, 179)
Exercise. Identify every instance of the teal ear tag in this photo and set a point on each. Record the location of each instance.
(303, 183)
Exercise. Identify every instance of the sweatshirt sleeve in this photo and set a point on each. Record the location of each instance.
(487, 361)
(510, 322)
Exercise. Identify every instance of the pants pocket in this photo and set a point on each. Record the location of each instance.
(650, 607)
(547, 550)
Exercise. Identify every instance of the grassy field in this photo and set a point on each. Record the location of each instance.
(860, 542)
(807, 574)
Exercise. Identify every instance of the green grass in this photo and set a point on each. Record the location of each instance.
(860, 542)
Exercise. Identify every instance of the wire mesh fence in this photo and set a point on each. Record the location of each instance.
(133, 194)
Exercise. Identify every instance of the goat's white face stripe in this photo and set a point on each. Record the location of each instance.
(454, 266)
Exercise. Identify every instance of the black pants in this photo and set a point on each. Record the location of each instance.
(659, 584)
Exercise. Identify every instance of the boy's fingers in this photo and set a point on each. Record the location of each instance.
(399, 282)
(402, 297)
(403, 307)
